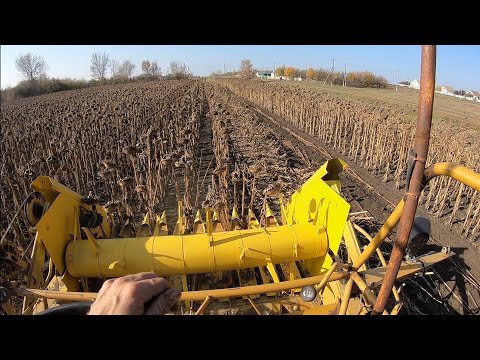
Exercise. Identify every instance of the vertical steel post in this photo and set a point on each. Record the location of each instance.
(414, 184)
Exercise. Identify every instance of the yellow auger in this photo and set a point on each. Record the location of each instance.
(314, 220)
(76, 233)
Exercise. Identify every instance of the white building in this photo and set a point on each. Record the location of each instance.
(265, 74)
(414, 84)
(474, 95)
(446, 90)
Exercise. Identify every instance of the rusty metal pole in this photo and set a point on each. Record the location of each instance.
(414, 184)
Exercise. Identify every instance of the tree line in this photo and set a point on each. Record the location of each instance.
(101, 63)
(354, 79)
(103, 70)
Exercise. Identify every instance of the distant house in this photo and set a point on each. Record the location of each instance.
(447, 90)
(414, 84)
(299, 78)
(474, 95)
(265, 74)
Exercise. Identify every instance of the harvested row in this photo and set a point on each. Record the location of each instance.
(252, 164)
(379, 140)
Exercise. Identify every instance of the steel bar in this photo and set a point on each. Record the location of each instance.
(202, 307)
(384, 231)
(190, 295)
(415, 183)
(380, 256)
(346, 296)
(324, 281)
(366, 291)
(455, 171)
(254, 306)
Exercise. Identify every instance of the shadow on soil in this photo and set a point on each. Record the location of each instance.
(443, 289)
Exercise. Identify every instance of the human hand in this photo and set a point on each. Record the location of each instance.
(143, 293)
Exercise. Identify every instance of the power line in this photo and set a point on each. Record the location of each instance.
(331, 72)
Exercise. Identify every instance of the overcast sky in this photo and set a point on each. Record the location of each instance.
(457, 66)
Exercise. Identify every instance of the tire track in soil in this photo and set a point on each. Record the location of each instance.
(379, 202)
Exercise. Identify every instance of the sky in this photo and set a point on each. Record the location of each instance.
(457, 65)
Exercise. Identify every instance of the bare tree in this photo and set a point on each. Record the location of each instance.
(126, 69)
(31, 67)
(178, 70)
(146, 66)
(155, 69)
(246, 68)
(99, 65)
(151, 68)
(113, 67)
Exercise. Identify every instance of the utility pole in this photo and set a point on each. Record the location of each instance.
(396, 85)
(345, 75)
(331, 73)
(333, 70)
(224, 69)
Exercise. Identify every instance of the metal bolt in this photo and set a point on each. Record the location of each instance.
(308, 293)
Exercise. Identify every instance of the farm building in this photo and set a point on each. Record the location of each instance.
(447, 90)
(474, 95)
(414, 84)
(265, 74)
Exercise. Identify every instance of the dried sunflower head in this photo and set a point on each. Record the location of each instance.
(127, 181)
(109, 164)
(131, 150)
(141, 189)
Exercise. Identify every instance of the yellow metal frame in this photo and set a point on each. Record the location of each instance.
(314, 219)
